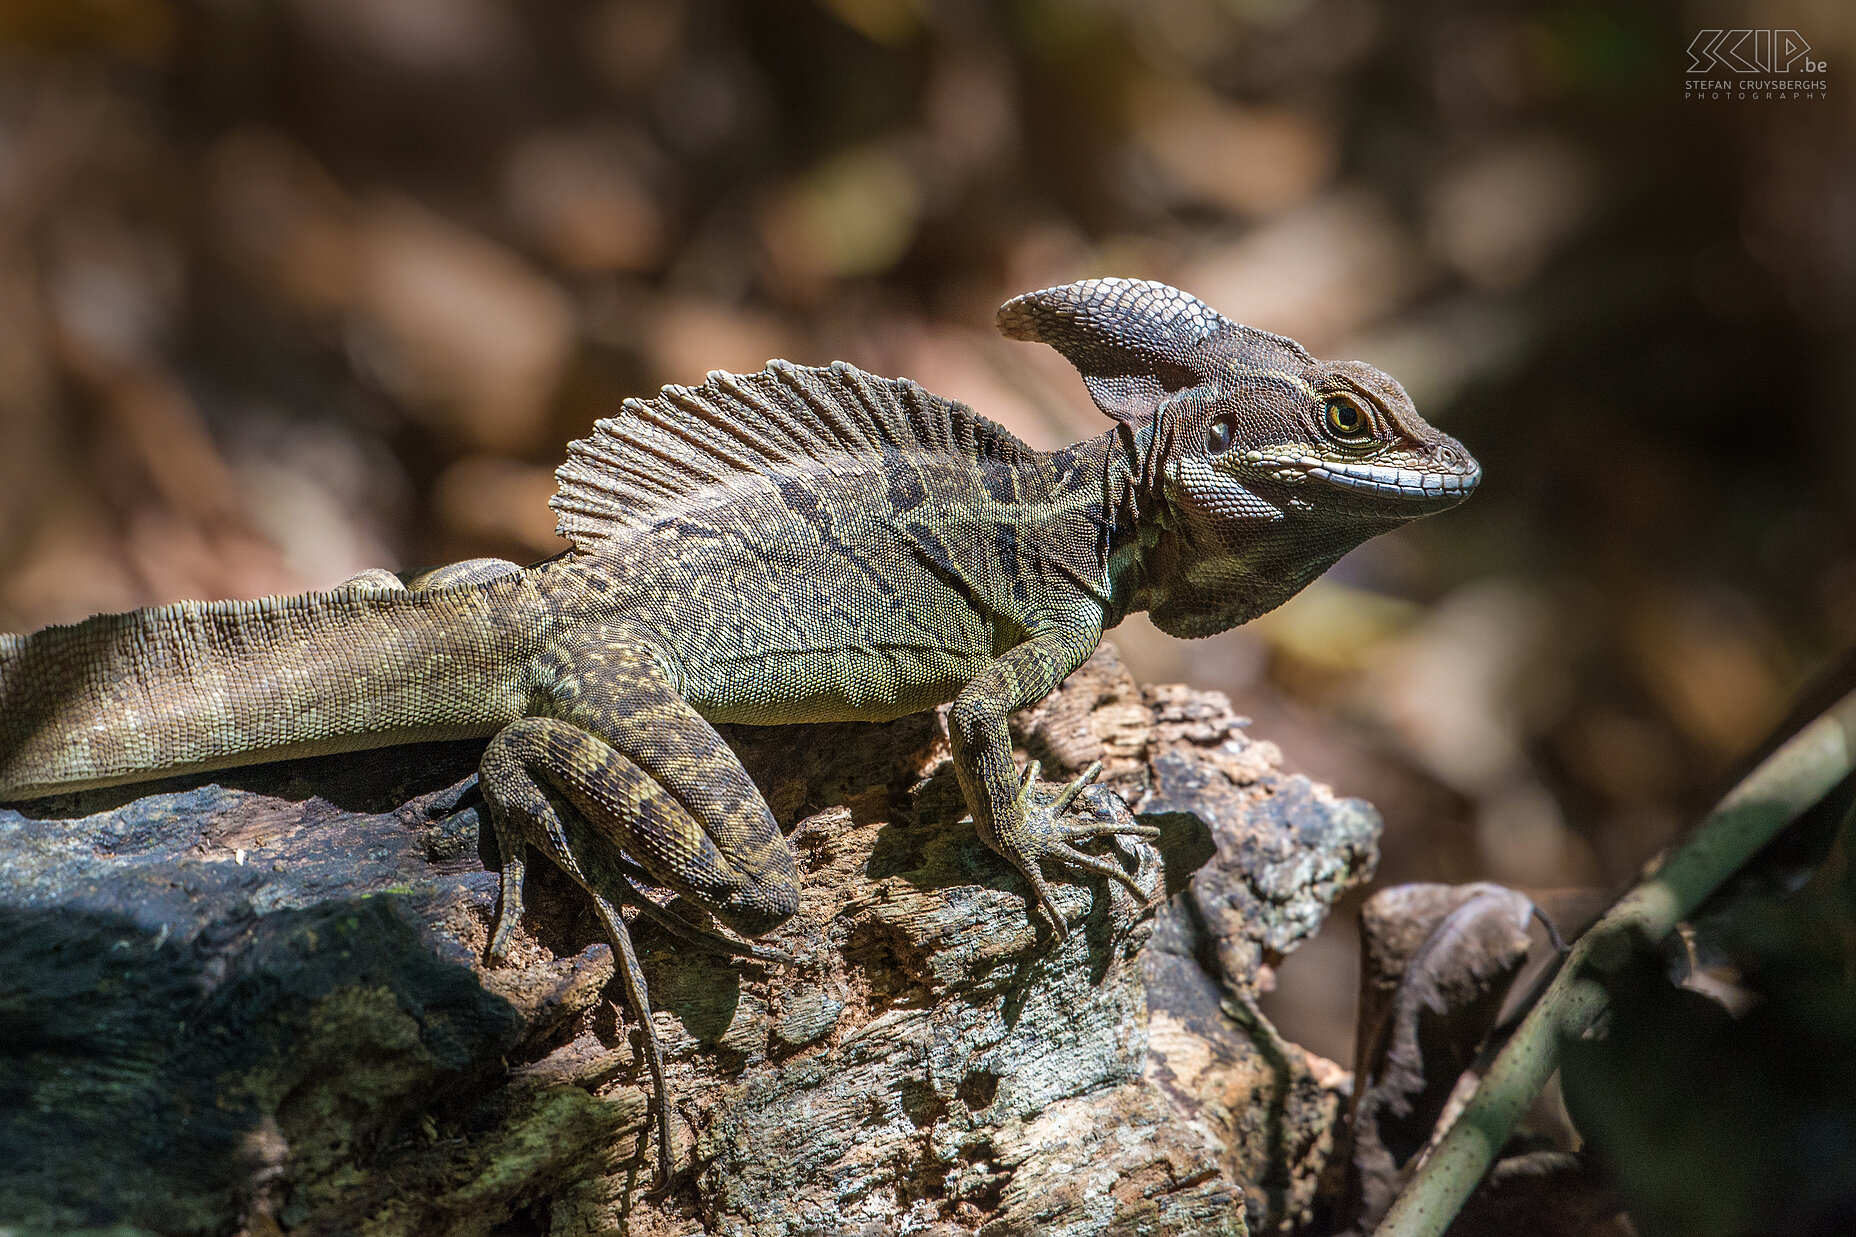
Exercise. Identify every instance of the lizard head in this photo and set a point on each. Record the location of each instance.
(1260, 464)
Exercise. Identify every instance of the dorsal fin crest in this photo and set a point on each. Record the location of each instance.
(784, 419)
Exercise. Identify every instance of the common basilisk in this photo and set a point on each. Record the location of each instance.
(796, 545)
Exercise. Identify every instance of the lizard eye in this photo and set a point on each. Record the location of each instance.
(1218, 437)
(1345, 420)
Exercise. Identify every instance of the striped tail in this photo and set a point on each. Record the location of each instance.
(208, 685)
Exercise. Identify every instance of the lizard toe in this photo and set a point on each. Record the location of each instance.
(1069, 855)
(1047, 903)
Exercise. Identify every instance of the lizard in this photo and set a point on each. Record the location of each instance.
(801, 544)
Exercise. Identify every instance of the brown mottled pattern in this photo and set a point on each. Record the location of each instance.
(794, 545)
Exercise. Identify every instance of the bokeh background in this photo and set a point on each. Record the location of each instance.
(289, 288)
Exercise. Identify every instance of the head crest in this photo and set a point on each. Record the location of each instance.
(1133, 340)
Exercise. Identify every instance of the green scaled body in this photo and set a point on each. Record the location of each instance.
(795, 545)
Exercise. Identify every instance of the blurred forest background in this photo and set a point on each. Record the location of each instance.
(289, 288)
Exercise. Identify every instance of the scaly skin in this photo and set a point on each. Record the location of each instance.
(790, 546)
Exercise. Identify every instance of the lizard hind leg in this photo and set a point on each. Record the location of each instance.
(522, 777)
(598, 813)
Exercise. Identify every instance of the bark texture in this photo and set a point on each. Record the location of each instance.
(256, 1004)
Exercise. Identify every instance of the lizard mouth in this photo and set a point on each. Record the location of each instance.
(1429, 489)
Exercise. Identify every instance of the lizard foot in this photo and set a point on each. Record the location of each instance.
(1045, 836)
(638, 1000)
(508, 909)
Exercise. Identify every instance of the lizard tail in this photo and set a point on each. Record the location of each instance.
(208, 685)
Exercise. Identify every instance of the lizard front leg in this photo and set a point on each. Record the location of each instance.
(626, 777)
(1007, 809)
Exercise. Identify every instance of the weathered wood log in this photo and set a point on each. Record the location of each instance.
(256, 1003)
(1436, 963)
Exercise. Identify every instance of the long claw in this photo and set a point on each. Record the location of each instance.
(1154, 903)
(1047, 902)
(710, 941)
(1069, 793)
(502, 929)
(631, 980)
(1058, 927)
(508, 908)
(1105, 829)
(1076, 858)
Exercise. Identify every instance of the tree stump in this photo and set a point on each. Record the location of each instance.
(255, 1002)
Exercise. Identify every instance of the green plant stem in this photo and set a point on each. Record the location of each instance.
(1779, 790)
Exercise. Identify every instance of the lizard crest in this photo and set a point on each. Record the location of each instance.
(689, 447)
(1264, 463)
